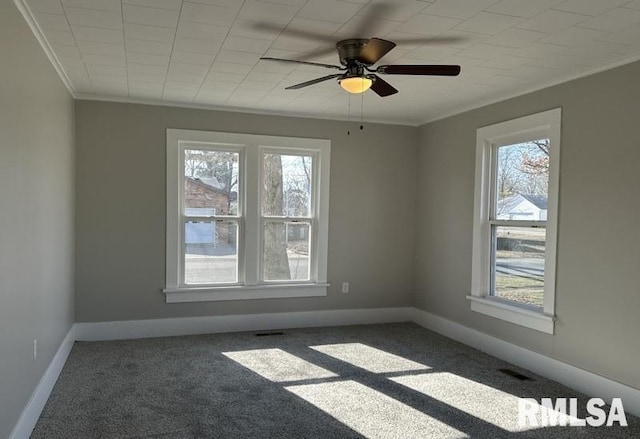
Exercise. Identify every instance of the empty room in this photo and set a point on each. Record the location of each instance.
(319, 218)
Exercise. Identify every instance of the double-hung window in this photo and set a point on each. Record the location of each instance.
(514, 240)
(247, 216)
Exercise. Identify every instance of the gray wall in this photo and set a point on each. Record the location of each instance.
(598, 292)
(36, 213)
(120, 233)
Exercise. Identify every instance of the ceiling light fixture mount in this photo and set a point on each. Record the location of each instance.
(354, 80)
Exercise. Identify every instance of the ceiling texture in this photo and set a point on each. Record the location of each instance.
(206, 53)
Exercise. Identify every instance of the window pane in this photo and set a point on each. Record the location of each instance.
(519, 264)
(211, 182)
(286, 251)
(522, 181)
(286, 185)
(211, 252)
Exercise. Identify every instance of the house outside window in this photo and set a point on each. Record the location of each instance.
(515, 220)
(247, 216)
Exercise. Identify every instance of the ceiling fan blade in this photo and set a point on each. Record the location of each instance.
(382, 87)
(431, 40)
(317, 53)
(372, 12)
(312, 82)
(409, 69)
(277, 29)
(295, 61)
(375, 49)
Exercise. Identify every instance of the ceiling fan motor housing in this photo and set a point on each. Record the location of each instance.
(348, 50)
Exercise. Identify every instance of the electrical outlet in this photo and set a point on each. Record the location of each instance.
(345, 287)
(35, 350)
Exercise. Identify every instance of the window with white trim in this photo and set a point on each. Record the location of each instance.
(515, 220)
(247, 216)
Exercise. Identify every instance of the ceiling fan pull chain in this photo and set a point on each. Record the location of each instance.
(349, 115)
(362, 111)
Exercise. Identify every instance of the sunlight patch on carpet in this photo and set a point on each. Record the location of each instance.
(369, 358)
(278, 365)
(476, 399)
(371, 413)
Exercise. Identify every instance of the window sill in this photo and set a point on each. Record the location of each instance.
(242, 292)
(528, 318)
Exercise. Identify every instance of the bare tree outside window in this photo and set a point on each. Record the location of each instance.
(523, 168)
(275, 260)
(286, 205)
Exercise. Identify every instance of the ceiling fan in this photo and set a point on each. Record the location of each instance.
(357, 56)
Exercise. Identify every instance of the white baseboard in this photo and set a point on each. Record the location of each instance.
(119, 330)
(586, 382)
(581, 380)
(33, 409)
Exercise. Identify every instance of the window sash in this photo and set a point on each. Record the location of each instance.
(517, 223)
(313, 266)
(214, 147)
(494, 223)
(238, 219)
(493, 165)
(310, 219)
(239, 252)
(493, 248)
(315, 177)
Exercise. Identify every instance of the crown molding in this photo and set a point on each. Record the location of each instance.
(191, 105)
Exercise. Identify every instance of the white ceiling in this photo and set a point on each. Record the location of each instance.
(205, 53)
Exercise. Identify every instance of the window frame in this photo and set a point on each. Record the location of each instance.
(312, 219)
(237, 219)
(489, 138)
(250, 148)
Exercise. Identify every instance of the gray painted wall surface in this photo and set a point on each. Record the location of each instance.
(36, 213)
(120, 233)
(597, 293)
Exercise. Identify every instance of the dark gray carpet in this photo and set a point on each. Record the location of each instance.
(375, 381)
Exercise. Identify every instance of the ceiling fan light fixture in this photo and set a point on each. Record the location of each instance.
(356, 84)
